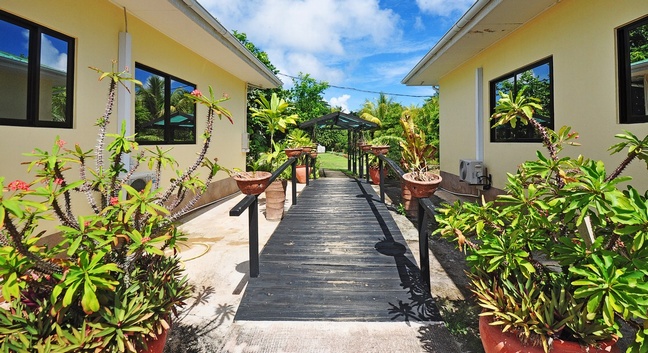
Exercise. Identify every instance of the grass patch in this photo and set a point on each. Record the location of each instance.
(332, 161)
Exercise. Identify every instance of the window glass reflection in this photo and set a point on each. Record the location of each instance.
(14, 60)
(53, 79)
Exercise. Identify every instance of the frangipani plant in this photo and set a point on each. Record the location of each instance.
(110, 282)
(564, 254)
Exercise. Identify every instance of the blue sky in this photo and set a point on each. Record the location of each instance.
(359, 44)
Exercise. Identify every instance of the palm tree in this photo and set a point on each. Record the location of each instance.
(151, 96)
(376, 112)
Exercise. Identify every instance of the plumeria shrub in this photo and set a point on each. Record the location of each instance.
(564, 254)
(111, 281)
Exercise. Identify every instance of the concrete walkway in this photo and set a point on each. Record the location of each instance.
(216, 260)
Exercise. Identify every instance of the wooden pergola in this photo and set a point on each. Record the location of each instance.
(344, 121)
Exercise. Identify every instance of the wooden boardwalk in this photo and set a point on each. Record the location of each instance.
(337, 256)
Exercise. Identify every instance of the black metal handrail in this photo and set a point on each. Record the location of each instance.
(251, 203)
(426, 209)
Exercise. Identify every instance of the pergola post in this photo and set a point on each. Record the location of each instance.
(349, 150)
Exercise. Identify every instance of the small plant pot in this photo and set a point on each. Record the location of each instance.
(496, 341)
(365, 148)
(422, 188)
(379, 150)
(156, 345)
(374, 174)
(252, 183)
(313, 154)
(301, 174)
(306, 149)
(293, 152)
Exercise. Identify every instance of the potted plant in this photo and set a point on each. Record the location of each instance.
(562, 256)
(379, 150)
(297, 138)
(422, 178)
(275, 114)
(108, 280)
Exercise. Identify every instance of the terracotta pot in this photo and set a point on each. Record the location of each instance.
(422, 189)
(301, 174)
(365, 148)
(374, 173)
(252, 183)
(496, 341)
(379, 150)
(156, 345)
(306, 149)
(410, 204)
(293, 152)
(313, 154)
(275, 200)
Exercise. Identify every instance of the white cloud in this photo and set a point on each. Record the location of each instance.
(342, 102)
(444, 7)
(418, 24)
(52, 57)
(311, 36)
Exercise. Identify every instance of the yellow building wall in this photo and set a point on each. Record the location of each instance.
(95, 25)
(580, 36)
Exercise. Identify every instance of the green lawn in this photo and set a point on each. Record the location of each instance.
(332, 161)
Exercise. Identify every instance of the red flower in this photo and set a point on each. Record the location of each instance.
(196, 93)
(58, 181)
(60, 142)
(114, 200)
(18, 185)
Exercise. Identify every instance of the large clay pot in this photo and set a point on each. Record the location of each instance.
(422, 189)
(379, 150)
(275, 200)
(374, 173)
(252, 183)
(293, 152)
(301, 174)
(496, 341)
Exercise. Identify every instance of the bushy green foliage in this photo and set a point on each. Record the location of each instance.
(112, 281)
(564, 253)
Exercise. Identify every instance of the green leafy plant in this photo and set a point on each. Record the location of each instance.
(110, 282)
(563, 254)
(417, 154)
(274, 114)
(298, 138)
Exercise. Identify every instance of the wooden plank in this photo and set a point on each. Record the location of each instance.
(337, 255)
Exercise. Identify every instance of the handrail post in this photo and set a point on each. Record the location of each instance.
(294, 182)
(382, 180)
(314, 166)
(307, 162)
(424, 255)
(253, 224)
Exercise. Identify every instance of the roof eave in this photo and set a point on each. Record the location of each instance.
(196, 29)
(485, 23)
